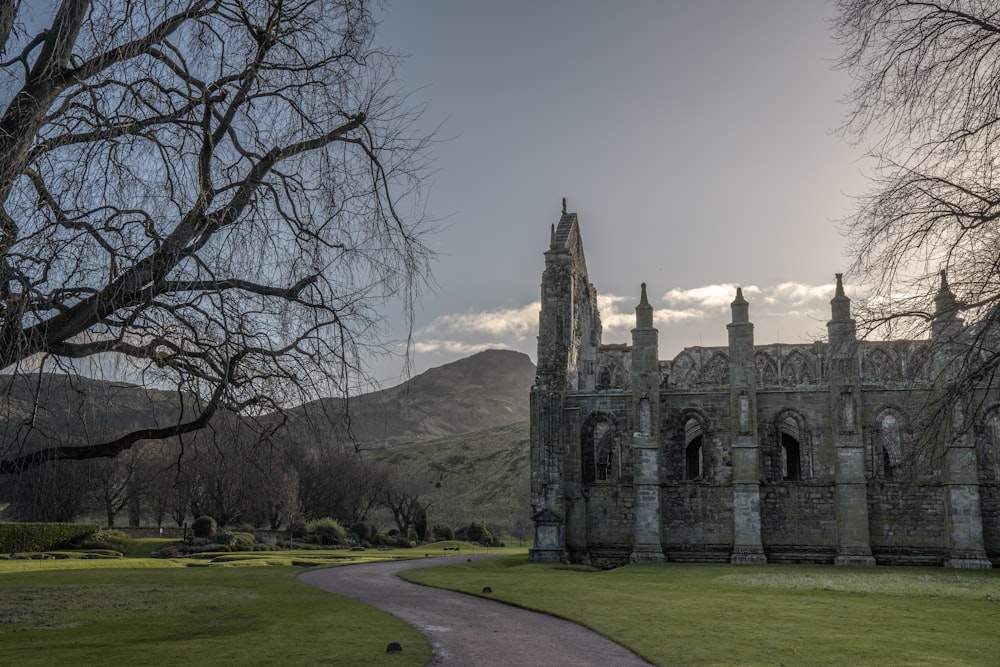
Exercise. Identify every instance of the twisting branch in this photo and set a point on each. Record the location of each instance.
(205, 194)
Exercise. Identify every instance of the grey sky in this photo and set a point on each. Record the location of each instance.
(694, 139)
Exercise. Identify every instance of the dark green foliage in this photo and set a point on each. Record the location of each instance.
(107, 539)
(363, 531)
(40, 536)
(443, 532)
(478, 533)
(222, 541)
(325, 531)
(204, 527)
(236, 541)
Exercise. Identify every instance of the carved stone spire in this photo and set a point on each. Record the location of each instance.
(740, 307)
(946, 307)
(643, 312)
(840, 329)
(945, 302)
(840, 304)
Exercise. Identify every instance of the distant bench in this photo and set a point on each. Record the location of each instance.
(451, 548)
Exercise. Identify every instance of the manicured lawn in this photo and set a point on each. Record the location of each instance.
(688, 614)
(99, 614)
(216, 609)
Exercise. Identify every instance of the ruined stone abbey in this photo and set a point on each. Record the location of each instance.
(748, 453)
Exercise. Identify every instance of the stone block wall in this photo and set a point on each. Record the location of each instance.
(697, 521)
(907, 522)
(799, 521)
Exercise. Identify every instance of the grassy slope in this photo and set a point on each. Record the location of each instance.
(474, 476)
(686, 614)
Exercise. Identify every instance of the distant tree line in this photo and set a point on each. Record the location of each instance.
(226, 471)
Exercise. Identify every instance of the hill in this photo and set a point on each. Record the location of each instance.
(53, 408)
(481, 476)
(484, 391)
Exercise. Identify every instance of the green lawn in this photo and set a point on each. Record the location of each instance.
(140, 614)
(688, 614)
(217, 609)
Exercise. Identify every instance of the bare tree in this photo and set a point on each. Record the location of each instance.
(114, 482)
(215, 195)
(338, 482)
(404, 502)
(927, 101)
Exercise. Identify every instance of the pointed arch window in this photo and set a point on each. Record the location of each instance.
(601, 452)
(887, 444)
(791, 454)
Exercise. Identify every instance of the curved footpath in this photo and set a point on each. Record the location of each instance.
(466, 630)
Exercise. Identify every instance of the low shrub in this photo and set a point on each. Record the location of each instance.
(441, 532)
(325, 531)
(363, 531)
(108, 539)
(235, 541)
(478, 533)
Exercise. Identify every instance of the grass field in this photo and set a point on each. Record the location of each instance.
(227, 609)
(248, 608)
(688, 614)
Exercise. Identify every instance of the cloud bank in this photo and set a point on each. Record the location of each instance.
(685, 317)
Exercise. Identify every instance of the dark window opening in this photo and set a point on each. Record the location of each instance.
(605, 450)
(790, 467)
(694, 458)
(886, 464)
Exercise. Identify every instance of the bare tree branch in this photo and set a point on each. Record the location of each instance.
(209, 194)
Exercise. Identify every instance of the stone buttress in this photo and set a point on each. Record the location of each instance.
(647, 545)
(963, 513)
(747, 547)
(854, 542)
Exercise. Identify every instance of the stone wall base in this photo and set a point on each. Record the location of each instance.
(854, 561)
(647, 554)
(748, 556)
(968, 560)
(545, 555)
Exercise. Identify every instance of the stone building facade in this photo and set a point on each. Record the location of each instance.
(749, 453)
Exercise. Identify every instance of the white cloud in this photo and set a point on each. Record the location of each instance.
(797, 294)
(708, 297)
(518, 322)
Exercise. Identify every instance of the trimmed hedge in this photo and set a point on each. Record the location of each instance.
(16, 537)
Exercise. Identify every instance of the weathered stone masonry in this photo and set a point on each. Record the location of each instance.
(748, 453)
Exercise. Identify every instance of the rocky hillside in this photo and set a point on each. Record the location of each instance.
(484, 391)
(60, 409)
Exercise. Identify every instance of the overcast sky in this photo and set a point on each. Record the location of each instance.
(694, 139)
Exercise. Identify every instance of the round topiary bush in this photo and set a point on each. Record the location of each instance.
(204, 527)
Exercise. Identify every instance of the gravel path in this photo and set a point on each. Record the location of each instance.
(464, 630)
